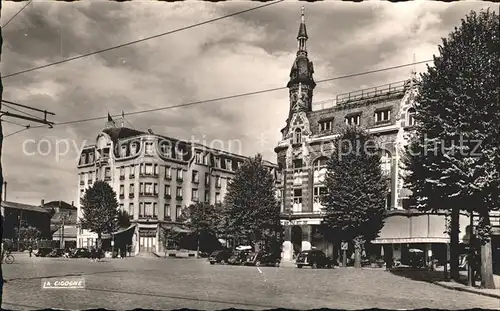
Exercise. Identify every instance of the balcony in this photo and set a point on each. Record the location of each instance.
(218, 185)
(107, 178)
(167, 218)
(122, 196)
(168, 177)
(131, 176)
(148, 217)
(122, 177)
(167, 196)
(178, 198)
(82, 183)
(90, 182)
(148, 194)
(180, 179)
(195, 181)
(147, 174)
(131, 195)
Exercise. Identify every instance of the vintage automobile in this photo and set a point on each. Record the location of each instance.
(313, 259)
(220, 256)
(238, 257)
(263, 259)
(43, 251)
(80, 253)
(56, 252)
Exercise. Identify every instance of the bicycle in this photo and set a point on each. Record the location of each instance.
(8, 258)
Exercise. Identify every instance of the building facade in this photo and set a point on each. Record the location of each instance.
(18, 215)
(154, 177)
(385, 111)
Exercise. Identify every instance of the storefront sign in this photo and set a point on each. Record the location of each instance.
(65, 283)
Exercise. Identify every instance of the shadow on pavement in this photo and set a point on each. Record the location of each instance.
(421, 275)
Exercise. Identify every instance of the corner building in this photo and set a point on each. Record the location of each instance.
(154, 177)
(306, 144)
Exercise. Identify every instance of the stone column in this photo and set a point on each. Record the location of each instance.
(306, 237)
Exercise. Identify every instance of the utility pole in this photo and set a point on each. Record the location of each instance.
(19, 232)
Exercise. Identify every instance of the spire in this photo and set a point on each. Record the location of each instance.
(111, 123)
(302, 36)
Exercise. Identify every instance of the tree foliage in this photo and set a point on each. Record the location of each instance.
(100, 209)
(252, 211)
(201, 217)
(454, 157)
(354, 205)
(123, 219)
(28, 233)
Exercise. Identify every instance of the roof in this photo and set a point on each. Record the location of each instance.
(302, 31)
(24, 207)
(117, 133)
(68, 232)
(58, 216)
(60, 204)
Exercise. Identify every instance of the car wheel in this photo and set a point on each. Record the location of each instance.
(299, 266)
(212, 263)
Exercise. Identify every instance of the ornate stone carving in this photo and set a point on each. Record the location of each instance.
(289, 156)
(306, 156)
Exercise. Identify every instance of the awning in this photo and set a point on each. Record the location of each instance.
(411, 241)
(176, 228)
(122, 230)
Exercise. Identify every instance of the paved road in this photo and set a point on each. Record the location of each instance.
(190, 283)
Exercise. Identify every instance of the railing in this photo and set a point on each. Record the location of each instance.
(385, 89)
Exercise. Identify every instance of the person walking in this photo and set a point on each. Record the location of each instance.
(30, 250)
(92, 254)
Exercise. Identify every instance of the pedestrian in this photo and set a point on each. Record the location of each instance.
(30, 250)
(92, 254)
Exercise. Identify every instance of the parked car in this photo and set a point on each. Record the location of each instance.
(80, 253)
(314, 259)
(238, 257)
(56, 252)
(43, 251)
(221, 256)
(263, 259)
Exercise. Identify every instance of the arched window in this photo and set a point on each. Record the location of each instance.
(297, 136)
(411, 116)
(385, 162)
(320, 163)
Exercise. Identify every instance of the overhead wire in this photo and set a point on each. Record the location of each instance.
(232, 96)
(139, 40)
(14, 16)
(16, 132)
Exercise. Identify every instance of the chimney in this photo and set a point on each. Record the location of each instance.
(42, 203)
(72, 203)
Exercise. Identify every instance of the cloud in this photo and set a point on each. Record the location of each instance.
(245, 53)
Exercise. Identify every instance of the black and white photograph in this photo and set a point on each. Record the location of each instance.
(251, 155)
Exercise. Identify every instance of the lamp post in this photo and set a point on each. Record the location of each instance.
(113, 239)
(20, 217)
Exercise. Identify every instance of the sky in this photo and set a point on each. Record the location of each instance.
(245, 53)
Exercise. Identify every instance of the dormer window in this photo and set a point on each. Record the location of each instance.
(206, 159)
(123, 150)
(411, 116)
(229, 164)
(217, 162)
(166, 151)
(325, 125)
(353, 120)
(91, 157)
(133, 149)
(178, 153)
(149, 148)
(382, 115)
(198, 157)
(297, 137)
(83, 159)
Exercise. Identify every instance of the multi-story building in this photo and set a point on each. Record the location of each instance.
(154, 177)
(385, 111)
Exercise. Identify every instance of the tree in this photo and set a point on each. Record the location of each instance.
(354, 204)
(252, 209)
(28, 233)
(100, 210)
(453, 158)
(123, 219)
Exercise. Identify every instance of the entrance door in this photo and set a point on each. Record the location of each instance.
(147, 244)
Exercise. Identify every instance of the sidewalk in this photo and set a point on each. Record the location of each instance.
(495, 293)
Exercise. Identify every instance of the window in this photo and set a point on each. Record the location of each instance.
(107, 173)
(298, 163)
(297, 196)
(155, 210)
(149, 169)
(196, 178)
(320, 163)
(217, 198)
(91, 157)
(325, 125)
(179, 154)
(179, 193)
(179, 174)
(82, 193)
(178, 211)
(123, 150)
(149, 148)
(148, 188)
(141, 188)
(122, 172)
(207, 179)
(297, 136)
(195, 195)
(382, 115)
(167, 210)
(206, 159)
(352, 120)
(385, 162)
(83, 159)
(148, 209)
(411, 116)
(121, 207)
(198, 157)
(319, 192)
(141, 209)
(131, 209)
(132, 171)
(168, 172)
(240, 164)
(122, 190)
(217, 181)
(207, 196)
(133, 148)
(166, 150)
(82, 178)
(229, 165)
(131, 189)
(157, 170)
(217, 162)
(156, 189)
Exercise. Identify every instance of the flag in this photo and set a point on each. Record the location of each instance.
(110, 119)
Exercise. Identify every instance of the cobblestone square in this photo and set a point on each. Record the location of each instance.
(191, 283)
